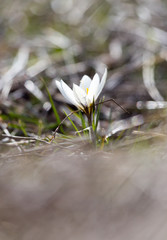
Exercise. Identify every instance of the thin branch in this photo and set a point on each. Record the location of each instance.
(111, 99)
(71, 113)
(13, 141)
(24, 138)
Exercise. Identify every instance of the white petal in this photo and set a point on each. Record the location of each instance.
(93, 90)
(58, 84)
(79, 94)
(102, 83)
(85, 82)
(66, 92)
(69, 93)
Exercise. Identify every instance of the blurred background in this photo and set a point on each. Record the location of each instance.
(66, 190)
(66, 39)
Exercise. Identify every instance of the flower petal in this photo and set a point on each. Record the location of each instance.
(67, 92)
(58, 84)
(93, 89)
(102, 83)
(79, 94)
(85, 82)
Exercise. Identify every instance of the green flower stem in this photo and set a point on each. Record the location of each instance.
(92, 133)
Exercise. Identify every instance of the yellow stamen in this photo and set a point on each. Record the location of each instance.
(87, 90)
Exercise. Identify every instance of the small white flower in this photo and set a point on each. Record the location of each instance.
(84, 95)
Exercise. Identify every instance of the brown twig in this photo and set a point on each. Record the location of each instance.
(71, 113)
(111, 99)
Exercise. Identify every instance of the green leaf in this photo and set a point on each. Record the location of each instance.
(21, 125)
(53, 107)
(82, 120)
(73, 124)
(97, 116)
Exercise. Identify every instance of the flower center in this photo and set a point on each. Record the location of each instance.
(87, 90)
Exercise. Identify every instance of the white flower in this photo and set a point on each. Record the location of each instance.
(84, 95)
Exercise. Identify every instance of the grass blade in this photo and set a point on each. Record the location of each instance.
(82, 120)
(97, 116)
(53, 107)
(73, 124)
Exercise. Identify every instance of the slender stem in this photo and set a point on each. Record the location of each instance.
(71, 113)
(92, 133)
(111, 99)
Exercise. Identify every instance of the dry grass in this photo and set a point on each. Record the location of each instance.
(76, 193)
